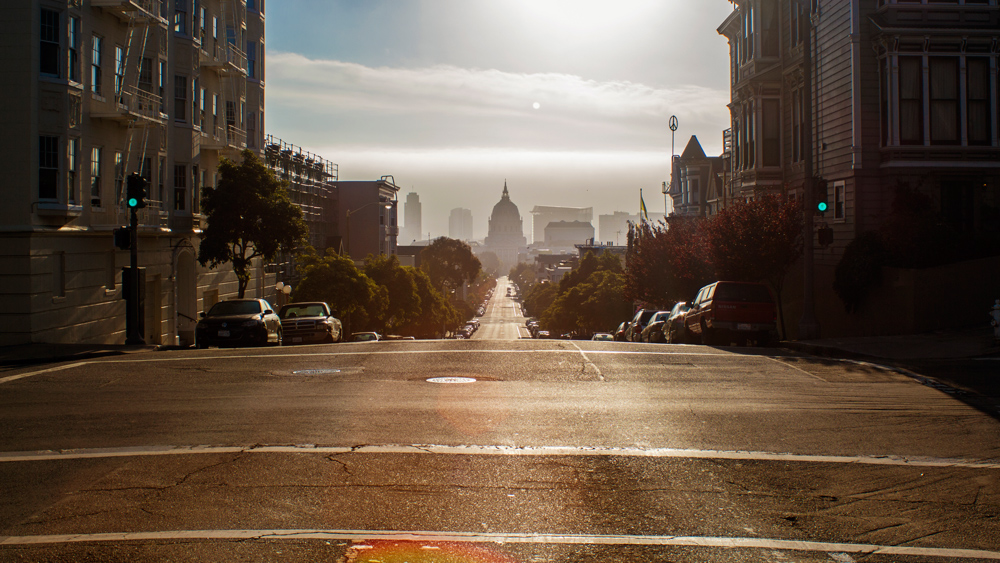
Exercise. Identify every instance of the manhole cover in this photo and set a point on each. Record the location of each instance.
(315, 371)
(451, 380)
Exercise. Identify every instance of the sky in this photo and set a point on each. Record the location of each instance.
(567, 101)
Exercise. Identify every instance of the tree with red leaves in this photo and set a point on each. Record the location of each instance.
(667, 262)
(756, 241)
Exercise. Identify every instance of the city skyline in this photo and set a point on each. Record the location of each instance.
(569, 106)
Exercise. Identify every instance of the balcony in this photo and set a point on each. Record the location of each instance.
(224, 138)
(131, 106)
(152, 216)
(147, 11)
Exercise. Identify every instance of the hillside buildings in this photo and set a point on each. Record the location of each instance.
(460, 224)
(613, 228)
(542, 215)
(107, 88)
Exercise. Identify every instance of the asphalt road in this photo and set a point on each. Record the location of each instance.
(524, 451)
(504, 319)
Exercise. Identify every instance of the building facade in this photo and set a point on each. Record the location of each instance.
(412, 228)
(108, 88)
(614, 228)
(506, 232)
(568, 234)
(696, 182)
(900, 96)
(542, 215)
(367, 212)
(460, 224)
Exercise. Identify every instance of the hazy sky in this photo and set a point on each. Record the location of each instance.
(566, 100)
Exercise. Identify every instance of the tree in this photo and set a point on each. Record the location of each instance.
(491, 263)
(402, 301)
(332, 278)
(436, 315)
(757, 241)
(249, 216)
(590, 299)
(449, 263)
(667, 261)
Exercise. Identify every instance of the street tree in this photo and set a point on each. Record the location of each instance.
(491, 263)
(437, 315)
(591, 298)
(249, 216)
(667, 262)
(403, 303)
(449, 263)
(335, 279)
(757, 241)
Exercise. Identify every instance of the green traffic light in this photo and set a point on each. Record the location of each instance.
(822, 207)
(132, 202)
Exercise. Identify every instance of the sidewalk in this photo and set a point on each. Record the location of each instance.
(40, 353)
(943, 345)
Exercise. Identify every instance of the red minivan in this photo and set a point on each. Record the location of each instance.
(725, 312)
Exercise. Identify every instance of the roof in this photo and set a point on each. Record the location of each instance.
(693, 149)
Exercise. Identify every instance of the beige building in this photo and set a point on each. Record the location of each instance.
(106, 88)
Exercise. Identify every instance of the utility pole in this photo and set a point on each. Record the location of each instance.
(808, 324)
(135, 199)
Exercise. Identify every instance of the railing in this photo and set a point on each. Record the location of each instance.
(148, 8)
(150, 216)
(236, 57)
(138, 102)
(236, 137)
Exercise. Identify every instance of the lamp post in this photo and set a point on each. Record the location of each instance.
(808, 324)
(283, 289)
(347, 225)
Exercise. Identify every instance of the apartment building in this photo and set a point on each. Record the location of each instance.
(899, 94)
(101, 89)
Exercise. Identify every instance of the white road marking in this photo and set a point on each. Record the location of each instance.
(589, 363)
(500, 538)
(10, 378)
(678, 453)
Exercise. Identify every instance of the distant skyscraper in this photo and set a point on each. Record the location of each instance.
(614, 228)
(543, 215)
(412, 226)
(460, 224)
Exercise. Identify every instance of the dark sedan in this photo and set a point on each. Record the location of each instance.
(239, 322)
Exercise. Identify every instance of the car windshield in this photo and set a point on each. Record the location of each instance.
(293, 311)
(742, 293)
(231, 308)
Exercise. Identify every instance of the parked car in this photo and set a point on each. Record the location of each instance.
(638, 323)
(673, 331)
(603, 337)
(309, 322)
(726, 311)
(542, 334)
(619, 332)
(653, 332)
(365, 337)
(238, 322)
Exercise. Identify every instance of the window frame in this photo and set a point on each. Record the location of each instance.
(96, 64)
(48, 168)
(49, 42)
(96, 186)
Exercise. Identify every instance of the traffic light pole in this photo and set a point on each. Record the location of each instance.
(133, 332)
(808, 324)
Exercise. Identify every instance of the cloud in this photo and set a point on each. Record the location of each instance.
(448, 106)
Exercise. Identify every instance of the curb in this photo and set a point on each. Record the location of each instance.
(14, 362)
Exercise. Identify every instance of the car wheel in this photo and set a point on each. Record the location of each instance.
(707, 335)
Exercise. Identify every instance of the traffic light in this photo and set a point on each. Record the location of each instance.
(135, 191)
(123, 238)
(822, 205)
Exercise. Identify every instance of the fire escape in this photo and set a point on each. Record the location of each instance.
(224, 56)
(134, 104)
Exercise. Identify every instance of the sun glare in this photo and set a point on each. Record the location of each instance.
(584, 16)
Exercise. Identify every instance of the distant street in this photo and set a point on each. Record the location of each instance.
(503, 319)
(525, 451)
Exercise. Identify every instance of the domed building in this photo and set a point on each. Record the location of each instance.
(506, 235)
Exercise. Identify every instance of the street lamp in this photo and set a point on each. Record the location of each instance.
(386, 204)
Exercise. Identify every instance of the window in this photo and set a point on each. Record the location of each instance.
(146, 74)
(252, 59)
(180, 16)
(119, 71)
(839, 201)
(48, 61)
(911, 101)
(162, 85)
(119, 174)
(180, 187)
(48, 167)
(195, 188)
(215, 112)
(95, 64)
(252, 130)
(978, 93)
(95, 177)
(73, 49)
(769, 34)
(161, 171)
(944, 107)
(72, 165)
(771, 132)
(201, 108)
(201, 24)
(251, 5)
(194, 102)
(180, 98)
(795, 19)
(798, 124)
